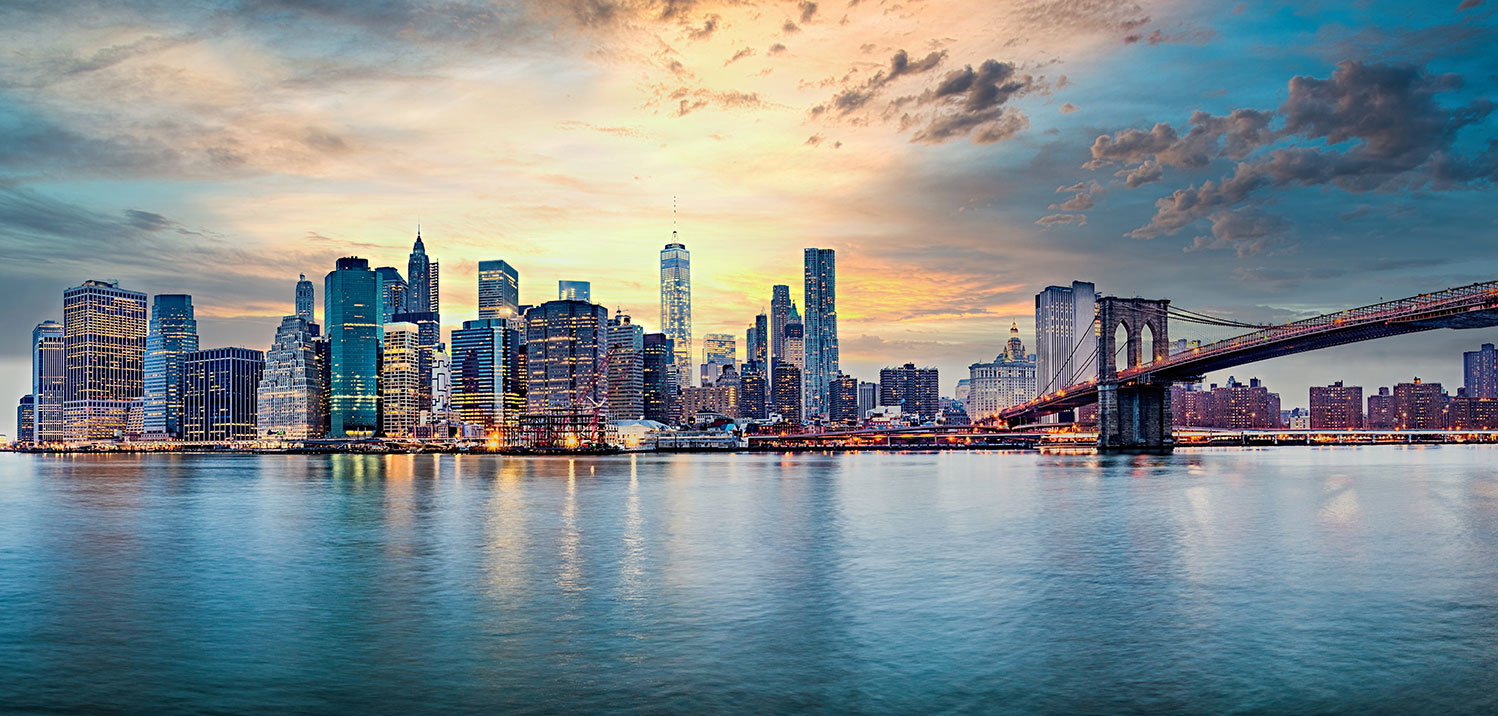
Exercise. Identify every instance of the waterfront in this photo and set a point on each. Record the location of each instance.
(1240, 580)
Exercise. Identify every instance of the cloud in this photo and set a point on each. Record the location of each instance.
(808, 11)
(1145, 173)
(1054, 219)
(775, 49)
(1079, 202)
(709, 26)
(1246, 231)
(741, 54)
(972, 102)
(1468, 4)
(900, 65)
(1068, 108)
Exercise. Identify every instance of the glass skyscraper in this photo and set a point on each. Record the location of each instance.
(172, 334)
(428, 337)
(676, 305)
(1065, 340)
(565, 343)
(351, 314)
(220, 394)
(393, 297)
(820, 323)
(659, 381)
(400, 381)
(47, 378)
(499, 290)
(486, 382)
(574, 291)
(626, 369)
(104, 344)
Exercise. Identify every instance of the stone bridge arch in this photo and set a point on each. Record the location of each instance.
(1134, 314)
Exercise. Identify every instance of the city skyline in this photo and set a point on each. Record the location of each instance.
(254, 198)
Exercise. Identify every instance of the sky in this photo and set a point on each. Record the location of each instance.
(1262, 161)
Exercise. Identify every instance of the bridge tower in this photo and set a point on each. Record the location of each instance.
(1133, 413)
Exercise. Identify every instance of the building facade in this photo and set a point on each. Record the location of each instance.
(1381, 415)
(574, 291)
(221, 394)
(499, 290)
(171, 334)
(421, 280)
(659, 381)
(305, 300)
(290, 396)
(843, 405)
(351, 313)
(1336, 407)
(26, 420)
(718, 350)
(915, 391)
(1065, 337)
(400, 381)
(487, 380)
(676, 305)
(1480, 372)
(566, 342)
(47, 379)
(393, 290)
(1009, 380)
(626, 368)
(1419, 406)
(780, 315)
(754, 392)
(104, 345)
(428, 337)
(820, 321)
(785, 392)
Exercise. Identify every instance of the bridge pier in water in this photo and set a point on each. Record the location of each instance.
(1133, 414)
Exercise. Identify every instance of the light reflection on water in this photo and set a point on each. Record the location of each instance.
(1287, 580)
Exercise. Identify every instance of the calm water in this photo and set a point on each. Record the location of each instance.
(1290, 580)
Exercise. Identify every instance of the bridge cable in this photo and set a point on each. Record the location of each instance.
(1069, 356)
(1190, 316)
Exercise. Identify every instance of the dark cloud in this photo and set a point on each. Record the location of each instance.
(808, 11)
(775, 49)
(969, 102)
(1246, 231)
(1468, 4)
(900, 65)
(709, 26)
(790, 27)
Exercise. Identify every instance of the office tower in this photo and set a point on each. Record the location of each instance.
(1480, 372)
(626, 353)
(718, 350)
(842, 407)
(305, 301)
(915, 390)
(104, 345)
(565, 345)
(171, 334)
(868, 398)
(676, 305)
(441, 386)
(1419, 406)
(1336, 407)
(659, 383)
(1381, 411)
(421, 280)
(574, 291)
(793, 344)
(1065, 340)
(290, 397)
(428, 337)
(47, 379)
(400, 381)
(26, 420)
(393, 293)
(758, 341)
(754, 392)
(220, 389)
(1009, 380)
(785, 392)
(351, 314)
(821, 327)
(780, 315)
(488, 387)
(499, 290)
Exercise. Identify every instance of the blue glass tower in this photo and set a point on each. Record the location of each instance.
(171, 334)
(352, 303)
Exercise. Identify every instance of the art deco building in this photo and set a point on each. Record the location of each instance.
(421, 280)
(499, 290)
(676, 305)
(47, 381)
(290, 397)
(305, 301)
(104, 344)
(351, 310)
(171, 334)
(821, 327)
(626, 369)
(400, 381)
(221, 394)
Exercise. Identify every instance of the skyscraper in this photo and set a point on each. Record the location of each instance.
(757, 342)
(676, 304)
(868, 398)
(915, 390)
(47, 378)
(659, 378)
(290, 397)
(821, 327)
(1009, 380)
(421, 280)
(626, 369)
(499, 290)
(428, 337)
(785, 392)
(172, 334)
(400, 380)
(1480, 372)
(442, 386)
(393, 290)
(718, 350)
(1065, 339)
(104, 345)
(754, 392)
(842, 399)
(487, 383)
(351, 312)
(565, 344)
(574, 291)
(780, 315)
(220, 398)
(26, 420)
(304, 299)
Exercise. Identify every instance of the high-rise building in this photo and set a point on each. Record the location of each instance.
(421, 280)
(842, 408)
(290, 397)
(1381, 414)
(171, 334)
(574, 291)
(442, 385)
(221, 394)
(499, 290)
(1190, 406)
(305, 301)
(26, 420)
(1480, 372)
(428, 337)
(718, 350)
(754, 392)
(1419, 406)
(868, 398)
(916, 391)
(794, 344)
(1336, 407)
(1243, 407)
(400, 380)
(47, 379)
(488, 386)
(351, 313)
(1009, 380)
(393, 293)
(676, 304)
(1065, 339)
(1465, 413)
(757, 341)
(104, 345)
(626, 369)
(785, 392)
(565, 344)
(821, 327)
(780, 315)
(659, 382)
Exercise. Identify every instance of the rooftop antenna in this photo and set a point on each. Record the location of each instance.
(673, 217)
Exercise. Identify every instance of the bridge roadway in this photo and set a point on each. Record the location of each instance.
(1472, 306)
